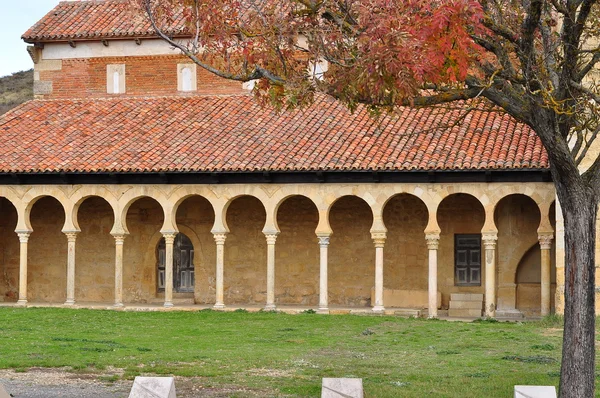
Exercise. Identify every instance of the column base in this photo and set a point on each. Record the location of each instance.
(118, 305)
(323, 310)
(168, 304)
(432, 316)
(22, 303)
(270, 307)
(378, 309)
(219, 306)
(70, 302)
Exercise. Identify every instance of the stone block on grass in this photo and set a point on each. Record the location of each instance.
(535, 392)
(153, 387)
(3, 393)
(341, 388)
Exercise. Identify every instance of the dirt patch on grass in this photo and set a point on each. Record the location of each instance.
(63, 383)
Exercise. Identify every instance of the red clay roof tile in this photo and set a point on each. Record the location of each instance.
(233, 133)
(96, 19)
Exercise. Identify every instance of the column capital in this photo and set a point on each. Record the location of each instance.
(71, 235)
(433, 241)
(169, 237)
(323, 239)
(271, 237)
(220, 237)
(119, 238)
(23, 236)
(545, 240)
(489, 239)
(379, 238)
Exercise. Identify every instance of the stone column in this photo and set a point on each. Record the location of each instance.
(489, 242)
(169, 240)
(433, 243)
(271, 238)
(23, 239)
(71, 238)
(323, 275)
(545, 246)
(220, 241)
(119, 242)
(379, 241)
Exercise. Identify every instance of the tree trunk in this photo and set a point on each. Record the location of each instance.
(578, 356)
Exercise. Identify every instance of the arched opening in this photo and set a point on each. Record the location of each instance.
(517, 218)
(351, 253)
(297, 253)
(144, 220)
(405, 260)
(95, 252)
(528, 281)
(245, 272)
(195, 218)
(47, 253)
(460, 263)
(9, 252)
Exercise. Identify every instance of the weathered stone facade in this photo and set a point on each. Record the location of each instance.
(356, 217)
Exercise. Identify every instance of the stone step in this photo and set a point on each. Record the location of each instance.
(408, 312)
(464, 313)
(509, 315)
(466, 305)
(466, 297)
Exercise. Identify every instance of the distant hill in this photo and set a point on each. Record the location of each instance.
(15, 89)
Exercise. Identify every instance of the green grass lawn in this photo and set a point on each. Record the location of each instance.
(287, 355)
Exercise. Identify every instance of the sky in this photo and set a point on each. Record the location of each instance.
(17, 16)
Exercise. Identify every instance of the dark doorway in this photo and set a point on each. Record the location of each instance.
(467, 257)
(183, 264)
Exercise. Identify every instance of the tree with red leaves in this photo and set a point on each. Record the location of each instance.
(536, 60)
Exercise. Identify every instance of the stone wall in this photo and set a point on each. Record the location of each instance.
(9, 252)
(47, 253)
(95, 252)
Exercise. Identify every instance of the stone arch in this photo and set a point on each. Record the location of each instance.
(245, 270)
(195, 217)
(94, 217)
(281, 200)
(229, 201)
(47, 251)
(9, 251)
(297, 253)
(87, 191)
(459, 214)
(527, 279)
(33, 196)
(518, 218)
(406, 217)
(351, 252)
(143, 219)
(127, 202)
(185, 192)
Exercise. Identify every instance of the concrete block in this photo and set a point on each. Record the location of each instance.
(153, 387)
(535, 392)
(471, 305)
(3, 393)
(341, 388)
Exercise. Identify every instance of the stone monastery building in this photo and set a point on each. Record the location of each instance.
(137, 179)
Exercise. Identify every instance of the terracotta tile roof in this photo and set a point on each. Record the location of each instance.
(232, 133)
(95, 19)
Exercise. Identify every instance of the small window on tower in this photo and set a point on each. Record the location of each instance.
(115, 79)
(186, 77)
